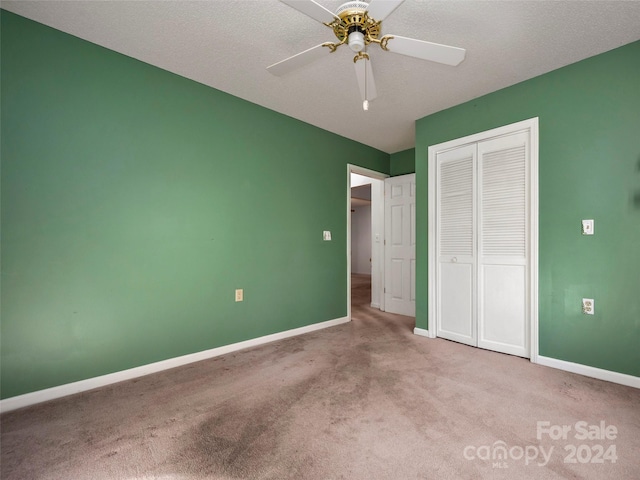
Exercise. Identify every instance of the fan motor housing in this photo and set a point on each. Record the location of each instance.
(354, 18)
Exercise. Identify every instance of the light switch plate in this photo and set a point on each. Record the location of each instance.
(587, 227)
(326, 235)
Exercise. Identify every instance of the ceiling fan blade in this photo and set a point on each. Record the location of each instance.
(380, 9)
(434, 52)
(299, 60)
(312, 9)
(366, 83)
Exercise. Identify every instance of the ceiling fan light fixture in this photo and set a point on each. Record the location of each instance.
(357, 23)
(356, 41)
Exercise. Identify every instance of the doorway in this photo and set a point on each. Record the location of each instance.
(365, 236)
(361, 244)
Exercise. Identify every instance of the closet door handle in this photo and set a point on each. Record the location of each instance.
(454, 260)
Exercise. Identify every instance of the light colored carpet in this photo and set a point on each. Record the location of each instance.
(364, 400)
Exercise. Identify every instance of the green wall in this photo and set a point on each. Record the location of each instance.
(402, 163)
(134, 203)
(589, 167)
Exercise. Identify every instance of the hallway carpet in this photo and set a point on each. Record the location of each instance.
(361, 401)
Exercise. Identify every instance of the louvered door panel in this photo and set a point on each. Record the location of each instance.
(456, 207)
(504, 188)
(456, 245)
(502, 231)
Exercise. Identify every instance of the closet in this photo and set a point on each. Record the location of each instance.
(484, 255)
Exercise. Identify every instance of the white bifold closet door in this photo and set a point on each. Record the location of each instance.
(456, 277)
(483, 243)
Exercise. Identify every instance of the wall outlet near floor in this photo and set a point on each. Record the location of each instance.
(239, 294)
(588, 306)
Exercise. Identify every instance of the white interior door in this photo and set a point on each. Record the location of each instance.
(456, 245)
(400, 244)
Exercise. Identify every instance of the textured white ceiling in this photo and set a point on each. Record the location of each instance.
(227, 44)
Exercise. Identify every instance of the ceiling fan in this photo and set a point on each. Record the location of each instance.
(358, 24)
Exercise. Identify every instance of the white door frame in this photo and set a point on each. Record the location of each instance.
(380, 216)
(532, 126)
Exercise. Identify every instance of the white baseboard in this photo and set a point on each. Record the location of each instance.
(375, 305)
(20, 401)
(422, 332)
(587, 371)
(608, 375)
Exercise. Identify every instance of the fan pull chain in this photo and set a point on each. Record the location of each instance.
(365, 103)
